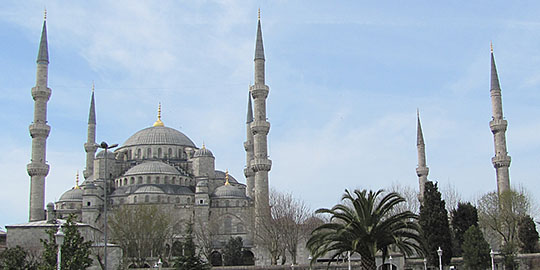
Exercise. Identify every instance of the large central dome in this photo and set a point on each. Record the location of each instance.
(159, 135)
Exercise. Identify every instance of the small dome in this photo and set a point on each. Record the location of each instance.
(74, 194)
(152, 167)
(158, 135)
(101, 154)
(202, 183)
(149, 189)
(229, 191)
(203, 152)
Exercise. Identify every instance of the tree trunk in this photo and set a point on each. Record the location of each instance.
(368, 263)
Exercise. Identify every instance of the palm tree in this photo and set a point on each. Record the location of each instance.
(365, 225)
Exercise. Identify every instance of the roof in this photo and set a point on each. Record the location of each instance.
(74, 194)
(158, 135)
(229, 191)
(152, 167)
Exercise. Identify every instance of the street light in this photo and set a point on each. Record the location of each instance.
(59, 241)
(492, 254)
(105, 146)
(439, 252)
(349, 259)
(390, 261)
(425, 264)
(310, 259)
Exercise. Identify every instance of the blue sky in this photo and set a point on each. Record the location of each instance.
(345, 77)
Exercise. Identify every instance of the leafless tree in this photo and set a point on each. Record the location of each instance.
(451, 197)
(141, 230)
(205, 234)
(411, 199)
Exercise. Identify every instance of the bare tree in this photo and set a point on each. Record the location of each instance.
(205, 234)
(499, 215)
(411, 198)
(290, 222)
(451, 197)
(140, 230)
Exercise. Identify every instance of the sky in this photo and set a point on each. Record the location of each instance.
(345, 77)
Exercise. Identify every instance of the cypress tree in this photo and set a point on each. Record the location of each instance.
(465, 216)
(527, 234)
(434, 224)
(475, 249)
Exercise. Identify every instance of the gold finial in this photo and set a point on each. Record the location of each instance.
(45, 14)
(259, 14)
(203, 146)
(227, 178)
(77, 180)
(491, 46)
(158, 122)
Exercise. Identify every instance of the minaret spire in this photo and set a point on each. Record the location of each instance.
(39, 131)
(90, 145)
(248, 146)
(260, 127)
(498, 125)
(422, 170)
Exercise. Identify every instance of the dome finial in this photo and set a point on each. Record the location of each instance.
(45, 14)
(93, 86)
(158, 122)
(203, 146)
(77, 180)
(259, 14)
(227, 177)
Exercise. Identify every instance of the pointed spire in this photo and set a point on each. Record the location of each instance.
(494, 76)
(419, 133)
(92, 113)
(43, 54)
(259, 48)
(158, 122)
(249, 117)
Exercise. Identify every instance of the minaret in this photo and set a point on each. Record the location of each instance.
(259, 128)
(90, 146)
(39, 131)
(501, 160)
(422, 170)
(248, 146)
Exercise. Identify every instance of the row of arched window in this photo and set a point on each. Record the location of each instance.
(154, 180)
(229, 203)
(153, 199)
(155, 152)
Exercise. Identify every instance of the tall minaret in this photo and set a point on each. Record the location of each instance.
(248, 146)
(259, 128)
(39, 131)
(90, 146)
(422, 170)
(501, 160)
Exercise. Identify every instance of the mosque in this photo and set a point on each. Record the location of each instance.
(159, 166)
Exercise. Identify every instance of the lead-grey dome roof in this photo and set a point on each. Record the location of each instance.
(152, 167)
(203, 152)
(74, 194)
(149, 189)
(159, 135)
(228, 190)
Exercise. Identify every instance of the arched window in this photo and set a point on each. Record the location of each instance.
(157, 180)
(237, 203)
(188, 200)
(135, 199)
(132, 180)
(146, 198)
(239, 228)
(149, 152)
(226, 203)
(158, 198)
(173, 181)
(227, 225)
(138, 153)
(139, 180)
(125, 181)
(165, 180)
(159, 153)
(130, 154)
(170, 153)
(148, 180)
(177, 199)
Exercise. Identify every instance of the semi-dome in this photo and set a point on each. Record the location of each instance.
(149, 189)
(152, 167)
(74, 194)
(159, 135)
(228, 190)
(203, 152)
(101, 154)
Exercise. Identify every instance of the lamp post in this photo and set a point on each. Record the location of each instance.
(425, 264)
(492, 254)
(310, 259)
(59, 241)
(106, 147)
(439, 252)
(349, 259)
(390, 261)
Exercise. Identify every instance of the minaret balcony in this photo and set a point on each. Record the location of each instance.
(422, 171)
(90, 147)
(501, 161)
(248, 172)
(39, 92)
(260, 127)
(259, 91)
(498, 125)
(37, 169)
(39, 130)
(248, 146)
(261, 164)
